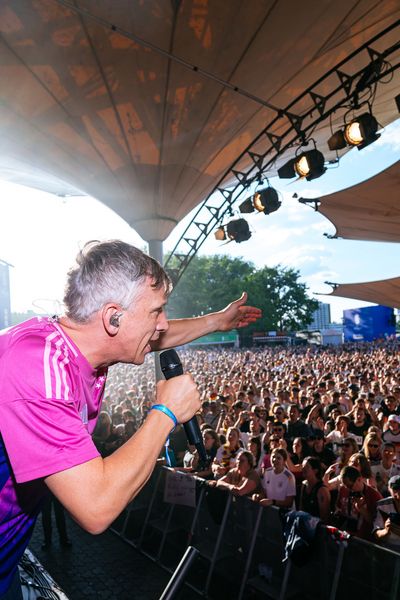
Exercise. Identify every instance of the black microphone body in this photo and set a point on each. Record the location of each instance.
(171, 366)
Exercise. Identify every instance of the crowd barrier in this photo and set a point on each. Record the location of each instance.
(241, 546)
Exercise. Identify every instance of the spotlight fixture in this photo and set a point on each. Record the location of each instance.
(265, 200)
(238, 230)
(287, 171)
(247, 206)
(308, 164)
(220, 234)
(397, 101)
(359, 132)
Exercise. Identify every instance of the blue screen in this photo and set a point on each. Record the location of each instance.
(368, 324)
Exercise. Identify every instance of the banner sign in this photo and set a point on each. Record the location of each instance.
(180, 489)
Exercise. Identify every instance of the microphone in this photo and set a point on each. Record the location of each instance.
(171, 366)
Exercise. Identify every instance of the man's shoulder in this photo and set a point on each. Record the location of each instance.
(288, 473)
(390, 436)
(253, 475)
(31, 332)
(385, 503)
(373, 493)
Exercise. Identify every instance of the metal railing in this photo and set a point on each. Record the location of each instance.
(241, 547)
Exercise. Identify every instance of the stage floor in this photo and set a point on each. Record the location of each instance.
(101, 567)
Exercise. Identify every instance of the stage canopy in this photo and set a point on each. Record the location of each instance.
(369, 210)
(385, 292)
(145, 105)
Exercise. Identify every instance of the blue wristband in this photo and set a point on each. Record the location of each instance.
(166, 411)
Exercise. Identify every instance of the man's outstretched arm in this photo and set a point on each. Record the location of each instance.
(234, 316)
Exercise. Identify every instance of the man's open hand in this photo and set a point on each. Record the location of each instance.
(237, 314)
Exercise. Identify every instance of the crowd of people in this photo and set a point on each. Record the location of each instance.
(316, 429)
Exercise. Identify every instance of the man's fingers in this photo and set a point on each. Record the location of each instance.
(248, 314)
(242, 299)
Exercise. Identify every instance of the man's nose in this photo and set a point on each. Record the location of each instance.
(162, 322)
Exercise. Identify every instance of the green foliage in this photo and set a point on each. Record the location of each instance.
(283, 299)
(211, 282)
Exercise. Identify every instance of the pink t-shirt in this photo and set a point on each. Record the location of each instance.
(50, 397)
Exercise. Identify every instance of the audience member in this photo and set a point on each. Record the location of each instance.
(387, 520)
(243, 480)
(314, 496)
(356, 504)
(278, 483)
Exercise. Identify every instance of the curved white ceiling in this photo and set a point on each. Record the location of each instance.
(85, 106)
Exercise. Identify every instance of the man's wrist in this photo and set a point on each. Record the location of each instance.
(167, 411)
(212, 322)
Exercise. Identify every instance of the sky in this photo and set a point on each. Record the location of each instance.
(42, 233)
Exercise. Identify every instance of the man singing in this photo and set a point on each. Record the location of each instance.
(52, 377)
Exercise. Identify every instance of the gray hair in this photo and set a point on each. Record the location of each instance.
(110, 271)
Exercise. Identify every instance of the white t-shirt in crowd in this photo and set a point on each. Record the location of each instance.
(278, 486)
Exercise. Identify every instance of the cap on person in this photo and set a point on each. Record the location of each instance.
(394, 482)
(395, 418)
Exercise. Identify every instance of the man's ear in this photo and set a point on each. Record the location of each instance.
(111, 317)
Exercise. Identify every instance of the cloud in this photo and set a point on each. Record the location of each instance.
(389, 139)
(390, 136)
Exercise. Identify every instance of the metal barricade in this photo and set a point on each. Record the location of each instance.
(129, 524)
(241, 548)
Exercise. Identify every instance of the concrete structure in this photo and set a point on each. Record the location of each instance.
(321, 317)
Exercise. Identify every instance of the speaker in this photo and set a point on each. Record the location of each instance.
(114, 319)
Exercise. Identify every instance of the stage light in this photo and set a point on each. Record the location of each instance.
(265, 200)
(397, 101)
(238, 230)
(220, 234)
(310, 164)
(337, 141)
(287, 171)
(302, 167)
(360, 132)
(247, 206)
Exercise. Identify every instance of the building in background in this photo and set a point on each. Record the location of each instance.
(321, 317)
(5, 303)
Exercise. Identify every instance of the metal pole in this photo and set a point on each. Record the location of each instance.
(156, 251)
(178, 578)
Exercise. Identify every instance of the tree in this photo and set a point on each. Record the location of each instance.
(282, 298)
(211, 282)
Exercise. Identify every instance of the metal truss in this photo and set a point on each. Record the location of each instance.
(264, 150)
